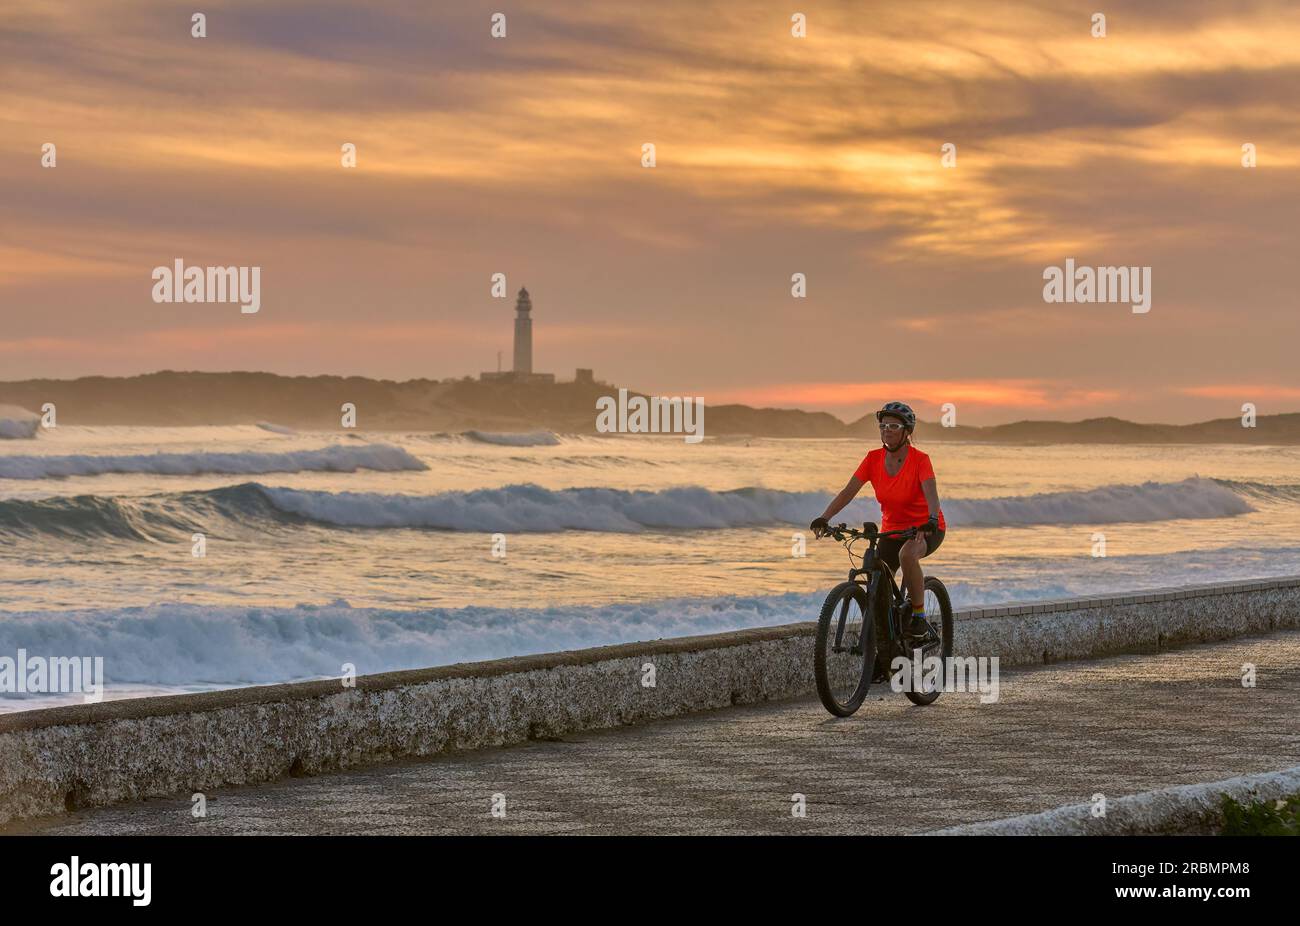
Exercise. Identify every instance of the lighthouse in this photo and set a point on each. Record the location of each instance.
(523, 366)
(523, 335)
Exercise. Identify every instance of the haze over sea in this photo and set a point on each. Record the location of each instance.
(377, 549)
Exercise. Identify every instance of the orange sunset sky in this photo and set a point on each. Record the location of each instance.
(775, 155)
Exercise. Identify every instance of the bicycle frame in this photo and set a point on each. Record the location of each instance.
(884, 636)
(870, 567)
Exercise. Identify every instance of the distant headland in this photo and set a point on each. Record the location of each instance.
(169, 398)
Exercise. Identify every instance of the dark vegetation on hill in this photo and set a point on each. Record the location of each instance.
(313, 402)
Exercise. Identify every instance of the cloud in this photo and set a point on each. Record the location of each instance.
(776, 155)
(992, 393)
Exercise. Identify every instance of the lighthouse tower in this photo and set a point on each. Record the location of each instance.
(523, 335)
(523, 368)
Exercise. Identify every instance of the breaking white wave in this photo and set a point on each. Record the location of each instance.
(533, 508)
(220, 646)
(164, 648)
(1150, 501)
(381, 457)
(18, 423)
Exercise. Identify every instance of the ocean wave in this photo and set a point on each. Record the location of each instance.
(473, 437)
(1263, 491)
(18, 423)
(1195, 498)
(166, 646)
(533, 509)
(275, 428)
(18, 429)
(165, 517)
(214, 646)
(530, 439)
(86, 516)
(338, 459)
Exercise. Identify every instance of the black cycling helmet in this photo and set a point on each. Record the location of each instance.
(900, 411)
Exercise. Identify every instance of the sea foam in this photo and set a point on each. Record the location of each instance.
(18, 423)
(533, 508)
(336, 459)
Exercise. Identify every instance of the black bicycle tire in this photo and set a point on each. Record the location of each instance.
(824, 621)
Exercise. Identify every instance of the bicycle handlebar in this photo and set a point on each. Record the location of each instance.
(839, 531)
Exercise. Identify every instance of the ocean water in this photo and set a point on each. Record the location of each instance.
(378, 549)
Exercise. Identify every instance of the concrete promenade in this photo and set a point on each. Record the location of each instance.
(1059, 734)
(80, 756)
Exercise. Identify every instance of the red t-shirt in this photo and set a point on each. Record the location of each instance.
(902, 503)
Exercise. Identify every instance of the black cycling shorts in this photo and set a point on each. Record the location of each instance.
(887, 549)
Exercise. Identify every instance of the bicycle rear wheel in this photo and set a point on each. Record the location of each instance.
(938, 641)
(846, 649)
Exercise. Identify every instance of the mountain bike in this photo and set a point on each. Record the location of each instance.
(860, 629)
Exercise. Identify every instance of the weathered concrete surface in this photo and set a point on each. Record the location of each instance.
(1184, 810)
(1058, 735)
(93, 755)
(199, 742)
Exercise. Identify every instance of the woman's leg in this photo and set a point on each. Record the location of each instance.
(915, 550)
(913, 578)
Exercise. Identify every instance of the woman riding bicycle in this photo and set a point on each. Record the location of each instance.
(904, 483)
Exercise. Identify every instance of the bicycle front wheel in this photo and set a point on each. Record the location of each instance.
(846, 649)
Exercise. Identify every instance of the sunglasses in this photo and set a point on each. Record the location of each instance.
(890, 426)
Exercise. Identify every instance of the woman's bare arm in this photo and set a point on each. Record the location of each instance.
(931, 492)
(846, 495)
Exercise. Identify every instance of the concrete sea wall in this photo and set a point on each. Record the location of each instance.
(66, 758)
